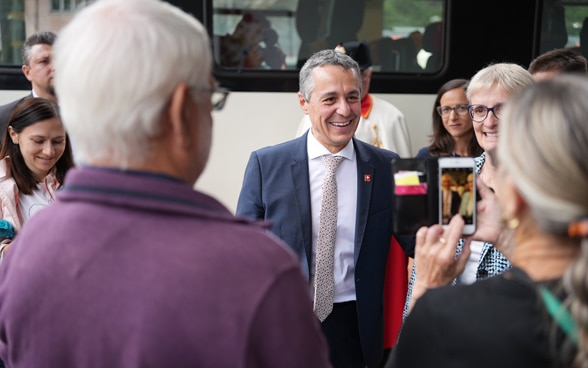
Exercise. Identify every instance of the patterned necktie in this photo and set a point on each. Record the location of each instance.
(324, 283)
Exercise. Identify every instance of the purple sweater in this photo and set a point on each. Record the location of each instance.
(130, 269)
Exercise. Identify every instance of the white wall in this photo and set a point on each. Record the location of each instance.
(8, 96)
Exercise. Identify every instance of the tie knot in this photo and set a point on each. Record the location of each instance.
(331, 163)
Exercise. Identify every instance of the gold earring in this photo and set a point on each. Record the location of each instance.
(512, 223)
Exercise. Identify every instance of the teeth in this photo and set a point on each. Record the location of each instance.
(492, 134)
(341, 124)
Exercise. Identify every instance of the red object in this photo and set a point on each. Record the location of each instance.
(395, 288)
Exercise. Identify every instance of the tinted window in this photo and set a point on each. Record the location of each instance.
(404, 35)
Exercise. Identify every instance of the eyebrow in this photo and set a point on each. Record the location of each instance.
(333, 93)
(45, 137)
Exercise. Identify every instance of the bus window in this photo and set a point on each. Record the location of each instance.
(405, 36)
(564, 24)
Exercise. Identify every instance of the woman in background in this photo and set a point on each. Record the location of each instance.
(36, 155)
(453, 131)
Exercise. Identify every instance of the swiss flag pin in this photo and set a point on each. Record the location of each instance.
(367, 177)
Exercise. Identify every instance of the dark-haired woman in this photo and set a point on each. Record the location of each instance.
(36, 155)
(453, 131)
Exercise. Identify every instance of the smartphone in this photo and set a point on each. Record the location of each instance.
(457, 191)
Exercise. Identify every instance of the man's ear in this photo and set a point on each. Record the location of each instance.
(178, 113)
(303, 103)
(26, 70)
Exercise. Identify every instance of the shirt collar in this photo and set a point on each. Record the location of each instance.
(315, 149)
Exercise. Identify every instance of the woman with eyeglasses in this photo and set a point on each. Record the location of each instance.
(453, 133)
(535, 314)
(487, 91)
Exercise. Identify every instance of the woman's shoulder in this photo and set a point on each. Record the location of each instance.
(424, 152)
(5, 169)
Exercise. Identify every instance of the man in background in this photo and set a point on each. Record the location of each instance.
(38, 69)
(558, 61)
(130, 267)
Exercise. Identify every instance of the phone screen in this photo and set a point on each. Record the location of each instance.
(457, 192)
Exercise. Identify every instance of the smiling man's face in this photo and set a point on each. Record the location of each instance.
(334, 107)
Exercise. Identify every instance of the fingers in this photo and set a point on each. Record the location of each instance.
(454, 229)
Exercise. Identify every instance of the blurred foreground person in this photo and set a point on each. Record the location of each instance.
(130, 267)
(533, 315)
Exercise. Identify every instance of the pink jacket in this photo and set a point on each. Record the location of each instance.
(9, 194)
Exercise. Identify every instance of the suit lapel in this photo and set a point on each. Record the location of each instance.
(365, 176)
(300, 179)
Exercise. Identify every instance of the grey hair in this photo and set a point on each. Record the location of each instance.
(543, 148)
(113, 109)
(39, 38)
(320, 59)
(507, 76)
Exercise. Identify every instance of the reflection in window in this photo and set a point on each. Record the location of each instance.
(404, 35)
(65, 5)
(564, 24)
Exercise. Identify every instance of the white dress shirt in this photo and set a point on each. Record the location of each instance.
(346, 213)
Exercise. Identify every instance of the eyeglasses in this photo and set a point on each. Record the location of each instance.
(479, 113)
(446, 110)
(218, 96)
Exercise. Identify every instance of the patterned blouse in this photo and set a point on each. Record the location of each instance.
(491, 263)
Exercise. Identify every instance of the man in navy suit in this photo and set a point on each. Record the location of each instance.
(282, 184)
(38, 69)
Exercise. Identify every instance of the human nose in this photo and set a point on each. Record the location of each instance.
(491, 120)
(48, 149)
(343, 107)
(453, 113)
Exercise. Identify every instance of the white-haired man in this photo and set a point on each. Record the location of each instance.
(130, 267)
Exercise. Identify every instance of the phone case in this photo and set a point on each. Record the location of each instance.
(415, 197)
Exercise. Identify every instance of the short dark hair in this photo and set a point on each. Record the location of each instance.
(29, 112)
(559, 60)
(39, 38)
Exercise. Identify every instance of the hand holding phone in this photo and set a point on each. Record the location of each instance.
(457, 191)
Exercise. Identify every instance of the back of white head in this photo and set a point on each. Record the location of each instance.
(117, 63)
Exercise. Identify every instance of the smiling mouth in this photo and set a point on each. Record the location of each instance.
(494, 135)
(341, 125)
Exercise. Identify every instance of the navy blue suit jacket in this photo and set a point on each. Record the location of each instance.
(5, 111)
(276, 189)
